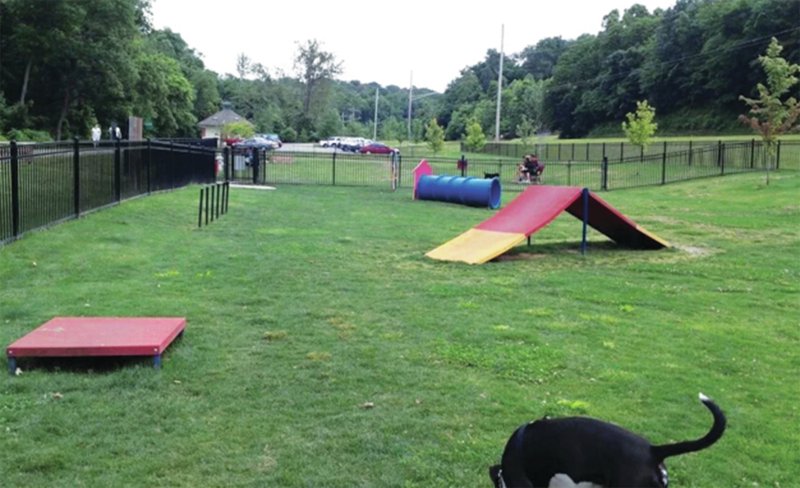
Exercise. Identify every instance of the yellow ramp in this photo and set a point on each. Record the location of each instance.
(476, 246)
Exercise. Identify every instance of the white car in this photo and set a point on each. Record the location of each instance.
(331, 142)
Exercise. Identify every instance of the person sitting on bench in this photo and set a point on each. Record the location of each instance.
(535, 169)
(530, 170)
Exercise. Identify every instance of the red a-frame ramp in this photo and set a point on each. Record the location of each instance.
(536, 207)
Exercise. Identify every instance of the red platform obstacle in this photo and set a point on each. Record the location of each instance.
(98, 336)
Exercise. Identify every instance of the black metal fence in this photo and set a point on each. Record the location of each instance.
(322, 167)
(43, 184)
(787, 153)
(338, 168)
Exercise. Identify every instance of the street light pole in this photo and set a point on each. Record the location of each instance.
(375, 125)
(410, 91)
(499, 86)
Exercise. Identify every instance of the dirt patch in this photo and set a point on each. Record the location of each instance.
(281, 159)
(696, 251)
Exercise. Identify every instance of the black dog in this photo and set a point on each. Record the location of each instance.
(491, 175)
(590, 450)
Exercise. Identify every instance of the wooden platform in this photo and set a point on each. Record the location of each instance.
(98, 336)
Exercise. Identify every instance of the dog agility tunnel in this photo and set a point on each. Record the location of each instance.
(532, 210)
(475, 192)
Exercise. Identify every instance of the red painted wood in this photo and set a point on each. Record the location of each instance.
(537, 206)
(99, 336)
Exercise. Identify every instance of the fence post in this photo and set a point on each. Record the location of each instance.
(573, 152)
(333, 169)
(76, 176)
(225, 155)
(254, 164)
(778, 156)
(569, 173)
(722, 158)
(691, 153)
(14, 189)
(399, 170)
(719, 153)
(117, 171)
(148, 162)
(664, 165)
(171, 164)
(604, 172)
(621, 151)
(752, 153)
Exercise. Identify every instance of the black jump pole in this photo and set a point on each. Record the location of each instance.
(213, 190)
(207, 204)
(585, 195)
(200, 210)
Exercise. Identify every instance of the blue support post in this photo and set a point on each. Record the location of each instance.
(157, 361)
(12, 365)
(585, 195)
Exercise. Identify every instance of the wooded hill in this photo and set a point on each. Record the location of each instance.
(67, 65)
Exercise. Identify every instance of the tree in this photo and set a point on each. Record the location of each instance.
(769, 115)
(434, 134)
(243, 129)
(314, 67)
(475, 138)
(640, 126)
(525, 130)
(164, 94)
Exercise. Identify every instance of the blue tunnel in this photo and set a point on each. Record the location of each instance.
(475, 192)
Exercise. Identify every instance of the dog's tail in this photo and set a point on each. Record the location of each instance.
(667, 450)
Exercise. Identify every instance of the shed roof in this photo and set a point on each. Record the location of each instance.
(224, 116)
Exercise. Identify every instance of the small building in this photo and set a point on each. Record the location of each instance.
(211, 127)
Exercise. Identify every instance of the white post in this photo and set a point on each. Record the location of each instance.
(499, 86)
(375, 125)
(410, 90)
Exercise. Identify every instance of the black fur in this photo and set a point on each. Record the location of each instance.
(591, 450)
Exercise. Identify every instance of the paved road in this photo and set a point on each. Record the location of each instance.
(304, 147)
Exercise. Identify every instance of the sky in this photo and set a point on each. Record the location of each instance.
(424, 42)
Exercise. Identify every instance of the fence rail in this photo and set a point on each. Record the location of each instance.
(43, 184)
(787, 155)
(341, 168)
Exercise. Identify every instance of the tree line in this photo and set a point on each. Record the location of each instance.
(66, 65)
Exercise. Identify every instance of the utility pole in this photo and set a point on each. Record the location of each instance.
(499, 86)
(410, 91)
(375, 125)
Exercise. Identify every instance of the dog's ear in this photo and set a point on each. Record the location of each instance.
(494, 474)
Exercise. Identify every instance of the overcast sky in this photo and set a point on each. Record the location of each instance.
(379, 42)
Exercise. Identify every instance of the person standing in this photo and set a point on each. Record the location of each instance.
(96, 134)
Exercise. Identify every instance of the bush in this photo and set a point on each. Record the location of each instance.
(29, 135)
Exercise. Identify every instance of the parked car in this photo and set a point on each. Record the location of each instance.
(330, 142)
(273, 139)
(353, 144)
(255, 142)
(377, 148)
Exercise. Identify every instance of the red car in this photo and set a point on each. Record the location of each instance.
(377, 148)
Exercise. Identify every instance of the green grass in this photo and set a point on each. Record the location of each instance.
(307, 304)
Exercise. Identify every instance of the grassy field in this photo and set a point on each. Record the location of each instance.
(324, 349)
